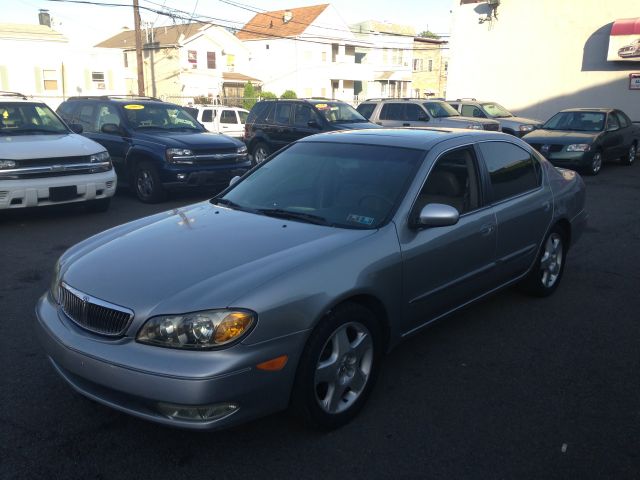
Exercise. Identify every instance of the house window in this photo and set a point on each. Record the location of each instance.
(98, 80)
(324, 56)
(50, 79)
(334, 52)
(267, 46)
(126, 60)
(192, 58)
(211, 60)
(231, 60)
(417, 64)
(446, 66)
(431, 65)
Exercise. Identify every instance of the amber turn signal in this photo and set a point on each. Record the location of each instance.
(274, 364)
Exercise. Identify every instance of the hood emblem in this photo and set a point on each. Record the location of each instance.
(85, 308)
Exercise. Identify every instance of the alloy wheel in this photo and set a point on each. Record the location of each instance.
(632, 154)
(144, 183)
(344, 367)
(551, 261)
(596, 163)
(260, 155)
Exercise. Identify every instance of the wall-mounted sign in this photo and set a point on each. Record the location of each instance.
(624, 41)
(634, 81)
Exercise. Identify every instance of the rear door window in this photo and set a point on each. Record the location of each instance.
(512, 170)
(392, 111)
(414, 113)
(85, 116)
(228, 116)
(283, 113)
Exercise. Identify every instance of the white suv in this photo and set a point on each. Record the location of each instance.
(220, 119)
(43, 162)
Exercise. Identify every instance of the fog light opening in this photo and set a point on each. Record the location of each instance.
(182, 176)
(197, 413)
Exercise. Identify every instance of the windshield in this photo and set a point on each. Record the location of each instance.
(337, 112)
(17, 118)
(576, 121)
(441, 109)
(496, 110)
(159, 116)
(342, 185)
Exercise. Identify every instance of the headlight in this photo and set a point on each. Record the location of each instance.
(198, 330)
(179, 155)
(100, 157)
(579, 147)
(475, 126)
(242, 150)
(526, 128)
(7, 164)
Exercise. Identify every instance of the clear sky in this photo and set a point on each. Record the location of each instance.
(82, 23)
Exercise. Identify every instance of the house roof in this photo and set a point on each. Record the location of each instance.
(238, 77)
(273, 24)
(16, 31)
(169, 35)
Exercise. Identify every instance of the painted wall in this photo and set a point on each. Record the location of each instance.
(52, 71)
(541, 56)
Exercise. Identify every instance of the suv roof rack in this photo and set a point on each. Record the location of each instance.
(114, 97)
(388, 99)
(12, 94)
(466, 98)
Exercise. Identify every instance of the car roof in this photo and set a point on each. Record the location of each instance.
(597, 109)
(121, 99)
(15, 97)
(418, 138)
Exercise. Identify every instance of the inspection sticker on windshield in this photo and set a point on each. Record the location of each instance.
(359, 219)
(134, 107)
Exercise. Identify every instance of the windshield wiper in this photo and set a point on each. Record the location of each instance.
(305, 217)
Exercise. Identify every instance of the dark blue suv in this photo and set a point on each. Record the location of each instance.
(156, 146)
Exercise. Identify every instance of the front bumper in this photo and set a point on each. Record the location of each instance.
(34, 192)
(570, 159)
(136, 378)
(176, 176)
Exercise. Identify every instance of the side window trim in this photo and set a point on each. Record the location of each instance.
(487, 182)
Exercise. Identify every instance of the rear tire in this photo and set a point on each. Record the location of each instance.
(260, 152)
(98, 206)
(630, 157)
(545, 276)
(338, 367)
(147, 184)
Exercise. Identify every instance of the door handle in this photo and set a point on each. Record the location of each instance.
(486, 229)
(378, 123)
(406, 124)
(546, 206)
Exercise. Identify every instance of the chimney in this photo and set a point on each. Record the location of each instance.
(288, 15)
(44, 18)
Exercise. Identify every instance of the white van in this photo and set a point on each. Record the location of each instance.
(44, 162)
(221, 119)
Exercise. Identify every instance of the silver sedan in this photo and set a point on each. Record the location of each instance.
(287, 289)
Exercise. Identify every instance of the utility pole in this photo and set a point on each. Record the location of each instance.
(136, 23)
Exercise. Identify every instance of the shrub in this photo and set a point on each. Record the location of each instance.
(268, 95)
(289, 94)
(249, 96)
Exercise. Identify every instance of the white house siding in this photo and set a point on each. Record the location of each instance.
(26, 64)
(306, 65)
(540, 56)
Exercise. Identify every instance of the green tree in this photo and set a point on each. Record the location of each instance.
(268, 95)
(428, 34)
(249, 96)
(289, 94)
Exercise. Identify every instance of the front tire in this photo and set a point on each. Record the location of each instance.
(547, 272)
(338, 367)
(147, 184)
(595, 165)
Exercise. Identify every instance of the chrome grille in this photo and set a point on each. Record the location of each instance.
(92, 313)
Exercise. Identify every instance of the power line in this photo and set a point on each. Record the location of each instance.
(329, 40)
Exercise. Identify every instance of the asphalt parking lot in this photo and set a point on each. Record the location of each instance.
(513, 387)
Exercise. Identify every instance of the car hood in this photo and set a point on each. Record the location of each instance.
(561, 137)
(195, 258)
(199, 140)
(25, 147)
(355, 125)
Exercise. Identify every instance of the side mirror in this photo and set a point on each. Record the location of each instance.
(313, 124)
(437, 215)
(75, 128)
(234, 180)
(111, 129)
